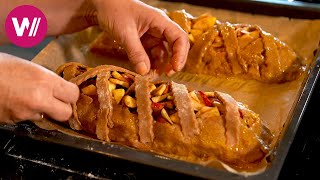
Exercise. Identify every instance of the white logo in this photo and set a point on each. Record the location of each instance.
(25, 25)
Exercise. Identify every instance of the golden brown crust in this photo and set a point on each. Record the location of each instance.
(196, 126)
(71, 70)
(74, 120)
(229, 36)
(242, 50)
(101, 73)
(226, 49)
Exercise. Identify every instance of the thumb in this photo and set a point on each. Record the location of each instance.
(136, 53)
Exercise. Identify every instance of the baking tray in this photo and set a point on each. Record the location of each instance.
(126, 153)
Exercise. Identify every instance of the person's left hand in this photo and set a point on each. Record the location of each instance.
(143, 30)
(28, 91)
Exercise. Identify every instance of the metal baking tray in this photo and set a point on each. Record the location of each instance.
(126, 153)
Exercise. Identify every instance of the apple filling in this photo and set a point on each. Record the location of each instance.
(120, 88)
(163, 107)
(206, 104)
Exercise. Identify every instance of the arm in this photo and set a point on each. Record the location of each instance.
(139, 28)
(28, 89)
(136, 26)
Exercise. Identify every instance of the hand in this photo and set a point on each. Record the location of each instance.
(136, 26)
(27, 90)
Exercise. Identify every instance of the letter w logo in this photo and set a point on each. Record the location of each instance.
(25, 25)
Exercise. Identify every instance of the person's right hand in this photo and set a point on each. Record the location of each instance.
(140, 28)
(27, 90)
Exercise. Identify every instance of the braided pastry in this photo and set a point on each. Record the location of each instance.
(168, 118)
(236, 50)
(225, 49)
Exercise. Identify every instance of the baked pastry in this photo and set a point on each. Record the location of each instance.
(221, 48)
(167, 118)
(225, 49)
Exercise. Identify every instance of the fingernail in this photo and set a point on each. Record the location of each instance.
(141, 68)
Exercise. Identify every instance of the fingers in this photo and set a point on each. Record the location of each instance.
(33, 91)
(66, 91)
(64, 94)
(56, 104)
(156, 49)
(149, 41)
(41, 101)
(159, 56)
(34, 117)
(179, 42)
(58, 110)
(177, 38)
(136, 53)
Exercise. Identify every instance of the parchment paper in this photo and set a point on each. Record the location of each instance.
(273, 102)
